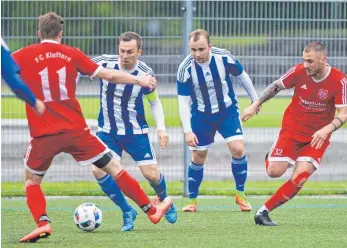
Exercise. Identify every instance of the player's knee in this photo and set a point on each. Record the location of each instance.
(238, 150)
(273, 172)
(199, 157)
(31, 178)
(104, 160)
(301, 178)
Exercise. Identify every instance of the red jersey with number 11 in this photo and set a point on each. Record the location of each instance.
(314, 102)
(51, 71)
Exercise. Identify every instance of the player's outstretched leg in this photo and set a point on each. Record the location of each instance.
(160, 189)
(111, 189)
(195, 176)
(131, 188)
(37, 205)
(239, 169)
(286, 192)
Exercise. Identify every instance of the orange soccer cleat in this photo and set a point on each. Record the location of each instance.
(192, 207)
(39, 233)
(161, 207)
(241, 200)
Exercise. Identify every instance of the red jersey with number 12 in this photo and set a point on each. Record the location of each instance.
(51, 71)
(314, 103)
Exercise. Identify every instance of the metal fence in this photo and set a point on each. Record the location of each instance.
(267, 36)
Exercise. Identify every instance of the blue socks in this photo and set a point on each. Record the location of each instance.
(111, 189)
(160, 187)
(195, 175)
(239, 169)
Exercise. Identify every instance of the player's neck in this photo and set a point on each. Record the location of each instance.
(322, 75)
(50, 41)
(128, 68)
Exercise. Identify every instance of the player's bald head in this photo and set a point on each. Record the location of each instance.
(198, 33)
(316, 47)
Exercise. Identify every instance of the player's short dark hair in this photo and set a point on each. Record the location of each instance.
(199, 32)
(128, 36)
(315, 46)
(50, 25)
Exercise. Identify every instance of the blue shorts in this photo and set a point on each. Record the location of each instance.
(226, 122)
(138, 146)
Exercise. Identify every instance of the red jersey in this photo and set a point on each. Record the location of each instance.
(314, 103)
(51, 72)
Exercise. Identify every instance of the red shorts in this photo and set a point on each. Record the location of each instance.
(85, 147)
(287, 149)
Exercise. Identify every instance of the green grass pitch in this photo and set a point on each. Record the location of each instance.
(303, 222)
(270, 116)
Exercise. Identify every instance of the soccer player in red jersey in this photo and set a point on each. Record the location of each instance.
(308, 122)
(50, 70)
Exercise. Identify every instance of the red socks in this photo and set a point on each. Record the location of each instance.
(131, 188)
(286, 192)
(37, 203)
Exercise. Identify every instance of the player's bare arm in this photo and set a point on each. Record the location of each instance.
(321, 135)
(118, 77)
(266, 95)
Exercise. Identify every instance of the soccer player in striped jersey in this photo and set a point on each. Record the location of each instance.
(122, 125)
(308, 123)
(9, 72)
(208, 103)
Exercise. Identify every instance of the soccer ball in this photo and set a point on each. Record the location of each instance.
(87, 217)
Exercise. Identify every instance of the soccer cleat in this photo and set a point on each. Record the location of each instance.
(128, 220)
(244, 204)
(170, 214)
(192, 207)
(38, 233)
(161, 207)
(263, 219)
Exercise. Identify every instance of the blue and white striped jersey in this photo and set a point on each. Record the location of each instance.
(209, 85)
(121, 105)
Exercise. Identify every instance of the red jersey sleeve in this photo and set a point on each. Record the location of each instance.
(340, 98)
(289, 78)
(85, 65)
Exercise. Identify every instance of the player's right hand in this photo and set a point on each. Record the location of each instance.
(147, 81)
(191, 139)
(39, 107)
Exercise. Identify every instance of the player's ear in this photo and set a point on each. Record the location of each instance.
(39, 35)
(139, 52)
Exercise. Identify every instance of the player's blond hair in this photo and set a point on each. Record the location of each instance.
(195, 35)
(50, 25)
(128, 36)
(315, 46)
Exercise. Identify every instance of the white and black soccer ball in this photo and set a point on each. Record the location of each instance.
(87, 217)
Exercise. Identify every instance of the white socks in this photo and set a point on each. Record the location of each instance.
(260, 210)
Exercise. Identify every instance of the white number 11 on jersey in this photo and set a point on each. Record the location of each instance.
(62, 84)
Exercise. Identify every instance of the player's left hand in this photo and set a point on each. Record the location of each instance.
(163, 138)
(319, 137)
